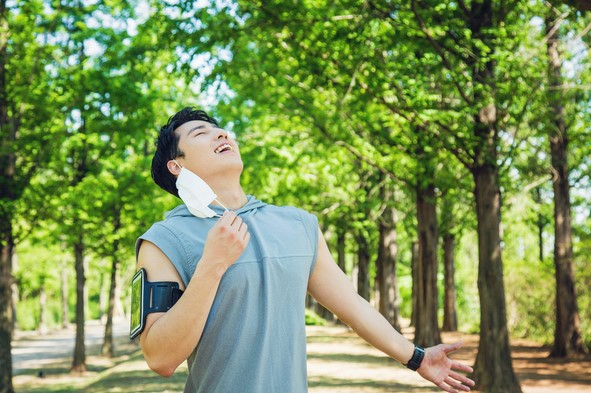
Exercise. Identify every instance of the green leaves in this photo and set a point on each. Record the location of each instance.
(330, 102)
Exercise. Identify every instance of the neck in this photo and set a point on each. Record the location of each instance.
(230, 194)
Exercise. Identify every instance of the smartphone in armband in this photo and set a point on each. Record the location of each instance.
(137, 304)
(148, 297)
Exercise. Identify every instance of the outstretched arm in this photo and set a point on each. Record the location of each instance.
(332, 288)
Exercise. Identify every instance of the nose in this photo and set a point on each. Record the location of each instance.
(221, 133)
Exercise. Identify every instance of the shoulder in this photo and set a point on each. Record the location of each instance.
(286, 216)
(289, 212)
(178, 222)
(180, 237)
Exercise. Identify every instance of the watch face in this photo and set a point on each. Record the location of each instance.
(137, 304)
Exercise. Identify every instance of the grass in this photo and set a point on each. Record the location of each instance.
(338, 361)
(126, 372)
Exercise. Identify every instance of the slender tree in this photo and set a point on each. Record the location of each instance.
(478, 147)
(6, 240)
(567, 334)
(386, 276)
(25, 114)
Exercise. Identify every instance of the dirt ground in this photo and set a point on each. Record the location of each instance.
(338, 361)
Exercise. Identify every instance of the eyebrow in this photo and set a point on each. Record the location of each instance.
(195, 128)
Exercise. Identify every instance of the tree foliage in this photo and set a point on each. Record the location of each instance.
(333, 103)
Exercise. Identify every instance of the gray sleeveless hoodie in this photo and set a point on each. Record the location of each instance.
(254, 340)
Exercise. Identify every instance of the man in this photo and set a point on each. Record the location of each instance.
(245, 273)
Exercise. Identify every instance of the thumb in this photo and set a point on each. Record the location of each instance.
(449, 348)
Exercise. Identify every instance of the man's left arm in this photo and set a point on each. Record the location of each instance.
(332, 288)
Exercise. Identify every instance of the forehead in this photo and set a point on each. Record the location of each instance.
(190, 126)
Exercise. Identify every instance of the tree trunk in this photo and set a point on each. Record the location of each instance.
(85, 292)
(64, 298)
(567, 333)
(79, 361)
(108, 348)
(15, 292)
(414, 264)
(6, 316)
(119, 310)
(42, 328)
(450, 319)
(6, 197)
(103, 299)
(341, 243)
(426, 323)
(493, 370)
(363, 287)
(540, 223)
(386, 279)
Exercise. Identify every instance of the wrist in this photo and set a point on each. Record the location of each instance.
(212, 270)
(416, 359)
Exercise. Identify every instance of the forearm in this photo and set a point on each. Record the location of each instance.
(331, 288)
(171, 338)
(370, 325)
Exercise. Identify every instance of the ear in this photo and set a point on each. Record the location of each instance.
(173, 167)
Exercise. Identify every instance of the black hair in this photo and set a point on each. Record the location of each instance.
(167, 146)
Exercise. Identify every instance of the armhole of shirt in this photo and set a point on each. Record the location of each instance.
(170, 245)
(311, 228)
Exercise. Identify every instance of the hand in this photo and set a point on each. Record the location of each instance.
(226, 240)
(438, 368)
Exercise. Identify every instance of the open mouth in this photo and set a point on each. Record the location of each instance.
(223, 148)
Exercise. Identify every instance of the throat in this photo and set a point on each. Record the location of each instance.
(231, 202)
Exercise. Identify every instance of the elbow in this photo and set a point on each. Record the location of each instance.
(167, 372)
(161, 368)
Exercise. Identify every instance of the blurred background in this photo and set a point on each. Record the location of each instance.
(444, 147)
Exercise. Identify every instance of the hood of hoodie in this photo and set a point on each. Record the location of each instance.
(249, 208)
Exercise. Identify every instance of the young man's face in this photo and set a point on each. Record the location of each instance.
(208, 149)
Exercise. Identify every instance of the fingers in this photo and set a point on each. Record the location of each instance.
(231, 219)
(235, 222)
(461, 367)
(445, 372)
(243, 230)
(227, 218)
(462, 378)
(455, 383)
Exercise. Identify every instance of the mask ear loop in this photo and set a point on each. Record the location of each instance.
(180, 166)
(221, 204)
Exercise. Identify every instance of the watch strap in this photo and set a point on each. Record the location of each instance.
(417, 358)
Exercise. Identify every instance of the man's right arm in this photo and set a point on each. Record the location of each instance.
(169, 338)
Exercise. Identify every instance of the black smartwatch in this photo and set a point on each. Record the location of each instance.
(417, 358)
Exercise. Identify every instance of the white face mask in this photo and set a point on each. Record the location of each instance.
(196, 194)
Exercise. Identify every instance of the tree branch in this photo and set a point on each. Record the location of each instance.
(361, 157)
(439, 51)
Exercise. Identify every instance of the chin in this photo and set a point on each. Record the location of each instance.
(235, 166)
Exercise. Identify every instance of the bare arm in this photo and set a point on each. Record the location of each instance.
(332, 288)
(170, 337)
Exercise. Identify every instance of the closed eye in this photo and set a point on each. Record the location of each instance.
(200, 130)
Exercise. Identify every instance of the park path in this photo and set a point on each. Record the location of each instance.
(338, 362)
(31, 350)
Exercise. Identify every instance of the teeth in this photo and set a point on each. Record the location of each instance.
(222, 147)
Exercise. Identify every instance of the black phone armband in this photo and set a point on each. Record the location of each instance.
(148, 297)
